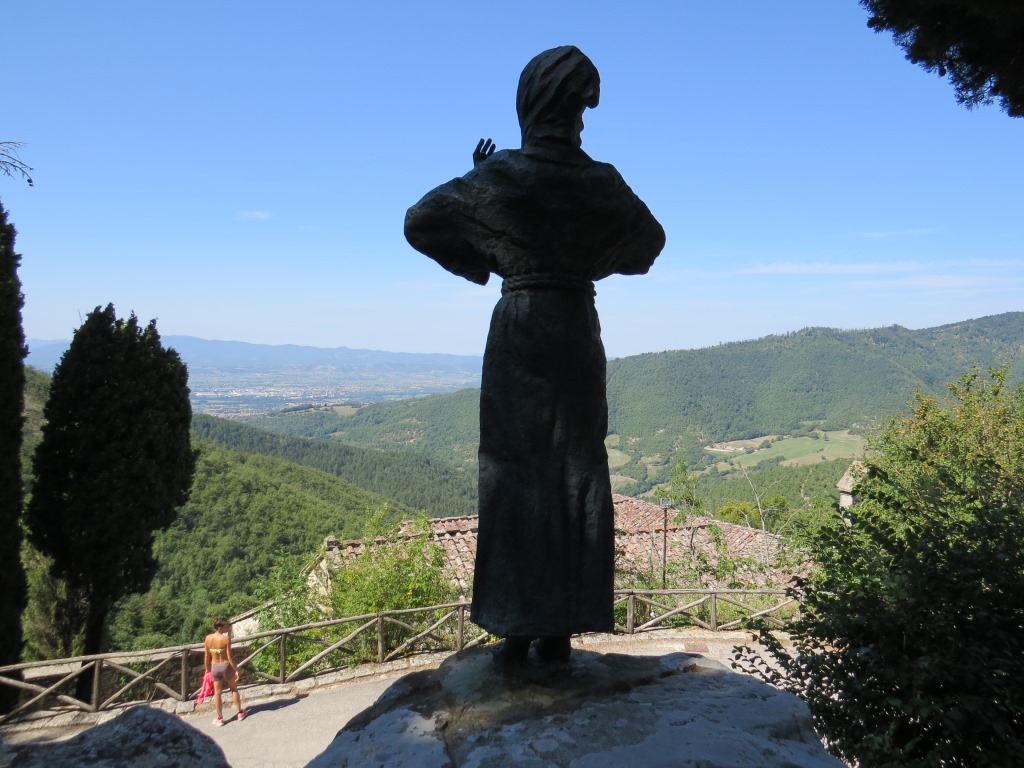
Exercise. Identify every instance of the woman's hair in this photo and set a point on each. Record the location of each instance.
(555, 87)
(220, 623)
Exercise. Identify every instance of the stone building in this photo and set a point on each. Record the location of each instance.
(846, 483)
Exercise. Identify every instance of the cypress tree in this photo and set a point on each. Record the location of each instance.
(12, 388)
(114, 465)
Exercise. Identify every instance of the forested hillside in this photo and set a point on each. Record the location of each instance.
(780, 384)
(246, 512)
(408, 478)
(671, 404)
(441, 427)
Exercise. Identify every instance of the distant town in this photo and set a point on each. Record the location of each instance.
(234, 379)
(222, 394)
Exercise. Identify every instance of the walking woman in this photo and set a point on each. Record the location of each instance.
(219, 663)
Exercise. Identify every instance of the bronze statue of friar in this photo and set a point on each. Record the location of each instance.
(550, 221)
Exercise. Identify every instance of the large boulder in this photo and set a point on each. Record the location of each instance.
(597, 710)
(142, 737)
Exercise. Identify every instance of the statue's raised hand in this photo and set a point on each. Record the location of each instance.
(484, 149)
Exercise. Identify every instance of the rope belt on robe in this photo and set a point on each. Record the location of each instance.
(547, 281)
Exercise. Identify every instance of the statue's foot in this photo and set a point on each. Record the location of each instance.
(553, 649)
(513, 651)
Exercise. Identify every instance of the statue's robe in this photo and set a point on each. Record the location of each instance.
(550, 221)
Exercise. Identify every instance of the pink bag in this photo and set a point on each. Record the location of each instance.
(206, 689)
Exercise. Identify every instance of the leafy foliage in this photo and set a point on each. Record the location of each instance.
(799, 500)
(114, 464)
(408, 478)
(49, 624)
(683, 491)
(910, 650)
(979, 44)
(395, 571)
(12, 389)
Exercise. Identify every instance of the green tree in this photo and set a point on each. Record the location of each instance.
(770, 513)
(737, 512)
(12, 392)
(49, 631)
(397, 569)
(910, 649)
(682, 490)
(979, 44)
(114, 465)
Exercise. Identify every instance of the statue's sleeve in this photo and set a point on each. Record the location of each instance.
(443, 226)
(642, 236)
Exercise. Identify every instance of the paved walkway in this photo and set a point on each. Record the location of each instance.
(287, 729)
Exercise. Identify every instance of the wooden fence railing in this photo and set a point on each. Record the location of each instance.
(288, 654)
(714, 610)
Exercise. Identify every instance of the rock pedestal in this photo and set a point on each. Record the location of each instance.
(142, 737)
(596, 710)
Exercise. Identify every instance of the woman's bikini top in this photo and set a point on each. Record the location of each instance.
(217, 651)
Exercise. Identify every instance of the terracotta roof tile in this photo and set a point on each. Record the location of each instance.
(639, 527)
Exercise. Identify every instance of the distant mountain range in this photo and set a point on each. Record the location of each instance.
(233, 377)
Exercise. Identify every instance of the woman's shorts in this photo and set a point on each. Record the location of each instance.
(221, 672)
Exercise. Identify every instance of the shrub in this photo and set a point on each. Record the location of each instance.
(910, 647)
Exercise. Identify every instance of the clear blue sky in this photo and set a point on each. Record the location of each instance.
(241, 170)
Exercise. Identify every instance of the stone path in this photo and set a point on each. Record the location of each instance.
(288, 726)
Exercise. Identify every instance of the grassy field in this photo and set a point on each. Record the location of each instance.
(617, 458)
(794, 451)
(621, 482)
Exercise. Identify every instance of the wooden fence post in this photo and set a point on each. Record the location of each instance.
(630, 612)
(97, 671)
(462, 628)
(282, 657)
(184, 675)
(380, 638)
(714, 612)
